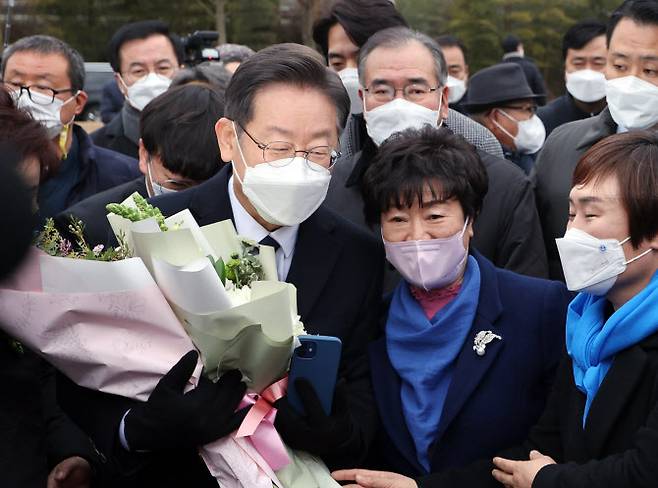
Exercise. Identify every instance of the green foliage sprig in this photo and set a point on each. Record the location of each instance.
(143, 211)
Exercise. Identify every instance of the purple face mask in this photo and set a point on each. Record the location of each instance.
(431, 263)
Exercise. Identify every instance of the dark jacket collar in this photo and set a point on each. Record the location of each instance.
(600, 126)
(86, 152)
(468, 373)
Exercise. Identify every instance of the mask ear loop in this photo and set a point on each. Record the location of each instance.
(636, 257)
(503, 128)
(64, 133)
(244, 161)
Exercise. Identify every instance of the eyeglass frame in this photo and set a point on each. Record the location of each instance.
(333, 157)
(15, 86)
(183, 184)
(431, 89)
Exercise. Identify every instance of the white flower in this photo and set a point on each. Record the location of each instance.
(238, 296)
(98, 250)
(298, 328)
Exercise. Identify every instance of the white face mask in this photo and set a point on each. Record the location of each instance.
(146, 89)
(284, 195)
(350, 79)
(156, 188)
(531, 135)
(457, 89)
(591, 265)
(633, 102)
(586, 85)
(397, 115)
(50, 116)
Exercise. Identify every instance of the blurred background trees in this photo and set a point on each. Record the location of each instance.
(481, 24)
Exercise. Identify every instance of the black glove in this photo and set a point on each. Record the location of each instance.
(173, 419)
(330, 437)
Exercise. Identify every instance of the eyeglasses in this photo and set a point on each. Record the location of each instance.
(529, 109)
(282, 153)
(414, 92)
(179, 184)
(41, 95)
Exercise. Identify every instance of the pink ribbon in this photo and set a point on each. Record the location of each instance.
(258, 425)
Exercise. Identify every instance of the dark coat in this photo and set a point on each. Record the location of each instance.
(337, 270)
(616, 449)
(34, 433)
(111, 101)
(91, 211)
(553, 174)
(532, 74)
(494, 399)
(112, 136)
(100, 168)
(507, 230)
(560, 111)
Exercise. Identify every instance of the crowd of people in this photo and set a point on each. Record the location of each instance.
(487, 254)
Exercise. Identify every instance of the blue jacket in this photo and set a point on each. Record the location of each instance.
(493, 399)
(100, 168)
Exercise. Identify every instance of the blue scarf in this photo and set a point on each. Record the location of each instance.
(593, 342)
(423, 352)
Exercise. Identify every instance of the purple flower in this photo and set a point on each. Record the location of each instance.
(65, 246)
(98, 249)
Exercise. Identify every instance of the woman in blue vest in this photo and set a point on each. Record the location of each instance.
(600, 425)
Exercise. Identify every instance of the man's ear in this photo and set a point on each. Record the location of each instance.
(121, 84)
(80, 102)
(445, 107)
(143, 157)
(226, 138)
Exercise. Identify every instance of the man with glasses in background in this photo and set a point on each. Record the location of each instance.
(46, 77)
(403, 76)
(500, 98)
(144, 57)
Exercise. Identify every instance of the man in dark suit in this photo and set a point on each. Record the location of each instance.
(144, 57)
(285, 98)
(408, 70)
(172, 157)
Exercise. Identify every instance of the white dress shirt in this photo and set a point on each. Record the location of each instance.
(247, 227)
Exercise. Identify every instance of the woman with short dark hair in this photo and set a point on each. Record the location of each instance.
(601, 420)
(469, 350)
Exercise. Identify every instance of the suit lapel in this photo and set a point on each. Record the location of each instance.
(316, 251)
(615, 391)
(471, 368)
(602, 125)
(211, 202)
(387, 386)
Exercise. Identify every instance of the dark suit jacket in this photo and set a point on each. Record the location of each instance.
(337, 270)
(112, 136)
(507, 231)
(553, 173)
(91, 211)
(34, 433)
(100, 168)
(560, 111)
(616, 449)
(494, 399)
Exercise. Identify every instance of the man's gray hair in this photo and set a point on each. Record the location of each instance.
(395, 37)
(50, 45)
